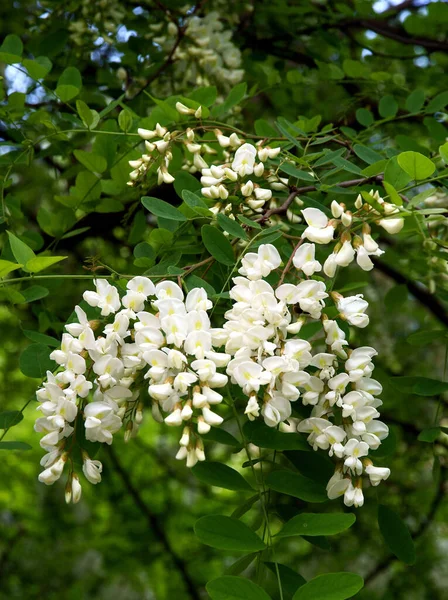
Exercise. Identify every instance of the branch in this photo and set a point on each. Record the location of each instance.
(295, 191)
(417, 290)
(153, 523)
(437, 500)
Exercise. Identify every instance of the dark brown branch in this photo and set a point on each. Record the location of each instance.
(426, 522)
(153, 523)
(417, 290)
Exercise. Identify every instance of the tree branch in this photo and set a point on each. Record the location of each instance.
(153, 523)
(295, 191)
(437, 500)
(417, 290)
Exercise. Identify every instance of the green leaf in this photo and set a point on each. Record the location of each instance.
(444, 152)
(241, 564)
(35, 292)
(15, 446)
(314, 465)
(264, 129)
(11, 49)
(234, 97)
(422, 338)
(249, 222)
(125, 120)
(193, 281)
(7, 266)
(160, 208)
(294, 484)
(388, 107)
(364, 117)
(35, 361)
(394, 197)
(331, 586)
(196, 203)
(395, 175)
(367, 154)
(205, 96)
(347, 166)
(186, 181)
(231, 226)
(9, 418)
(312, 524)
(12, 44)
(416, 165)
(396, 534)
(290, 580)
(242, 509)
(293, 172)
(39, 263)
(228, 587)
(420, 386)
(38, 68)
(220, 475)
(263, 436)
(438, 102)
(430, 434)
(93, 162)
(218, 245)
(415, 101)
(41, 338)
(21, 251)
(226, 533)
(71, 76)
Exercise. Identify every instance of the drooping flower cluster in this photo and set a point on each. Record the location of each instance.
(151, 337)
(205, 55)
(274, 367)
(246, 176)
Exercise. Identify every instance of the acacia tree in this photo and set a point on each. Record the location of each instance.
(196, 204)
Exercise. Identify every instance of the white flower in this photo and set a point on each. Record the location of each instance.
(167, 290)
(197, 300)
(318, 230)
(276, 410)
(101, 422)
(330, 265)
(250, 376)
(252, 408)
(92, 469)
(363, 259)
(353, 451)
(82, 330)
(304, 259)
(377, 474)
(352, 308)
(244, 159)
(345, 255)
(106, 297)
(142, 285)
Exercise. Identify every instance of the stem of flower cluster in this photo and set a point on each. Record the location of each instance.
(262, 495)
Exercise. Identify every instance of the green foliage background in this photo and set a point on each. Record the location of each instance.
(353, 64)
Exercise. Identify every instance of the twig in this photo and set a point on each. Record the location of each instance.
(312, 188)
(417, 290)
(288, 264)
(153, 523)
(437, 500)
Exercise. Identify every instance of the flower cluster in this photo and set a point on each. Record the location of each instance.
(151, 337)
(321, 230)
(274, 367)
(205, 55)
(152, 341)
(245, 178)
